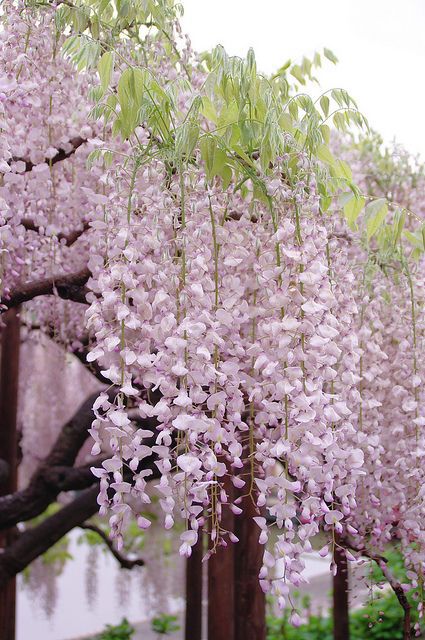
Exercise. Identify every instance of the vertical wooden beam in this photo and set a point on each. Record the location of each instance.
(9, 381)
(194, 579)
(250, 603)
(221, 588)
(340, 597)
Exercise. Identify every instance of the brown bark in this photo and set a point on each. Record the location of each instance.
(69, 238)
(9, 382)
(124, 562)
(37, 540)
(60, 155)
(55, 474)
(69, 286)
(221, 587)
(250, 603)
(340, 584)
(194, 579)
(400, 595)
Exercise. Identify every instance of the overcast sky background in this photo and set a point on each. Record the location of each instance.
(380, 45)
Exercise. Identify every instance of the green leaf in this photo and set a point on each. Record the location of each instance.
(317, 61)
(226, 176)
(281, 71)
(352, 209)
(326, 133)
(293, 109)
(130, 87)
(297, 72)
(376, 212)
(208, 147)
(240, 152)
(324, 103)
(330, 55)
(105, 68)
(220, 161)
(342, 170)
(414, 239)
(323, 153)
(340, 121)
(398, 224)
(130, 93)
(186, 138)
(208, 109)
(325, 202)
(285, 122)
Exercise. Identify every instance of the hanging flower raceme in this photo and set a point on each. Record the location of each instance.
(257, 347)
(232, 317)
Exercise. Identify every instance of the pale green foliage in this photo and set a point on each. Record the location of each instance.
(105, 67)
(352, 206)
(105, 20)
(376, 212)
(237, 123)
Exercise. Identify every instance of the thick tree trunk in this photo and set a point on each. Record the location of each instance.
(9, 380)
(250, 603)
(340, 597)
(193, 621)
(221, 591)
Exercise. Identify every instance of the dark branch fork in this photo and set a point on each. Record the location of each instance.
(35, 541)
(58, 157)
(55, 475)
(69, 238)
(69, 286)
(125, 562)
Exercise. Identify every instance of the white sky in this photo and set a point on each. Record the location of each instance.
(380, 45)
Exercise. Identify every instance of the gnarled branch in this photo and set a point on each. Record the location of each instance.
(55, 474)
(69, 238)
(125, 563)
(58, 157)
(69, 286)
(35, 541)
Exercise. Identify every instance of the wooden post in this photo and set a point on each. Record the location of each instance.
(340, 597)
(221, 588)
(9, 380)
(250, 602)
(194, 579)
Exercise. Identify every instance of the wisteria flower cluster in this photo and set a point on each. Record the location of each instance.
(269, 343)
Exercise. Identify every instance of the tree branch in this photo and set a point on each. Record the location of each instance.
(382, 563)
(69, 238)
(93, 367)
(126, 563)
(69, 287)
(60, 155)
(56, 473)
(37, 540)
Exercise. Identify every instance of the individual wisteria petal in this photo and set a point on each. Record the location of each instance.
(189, 463)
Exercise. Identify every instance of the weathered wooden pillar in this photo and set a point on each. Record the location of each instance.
(194, 580)
(340, 585)
(9, 380)
(221, 587)
(250, 603)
